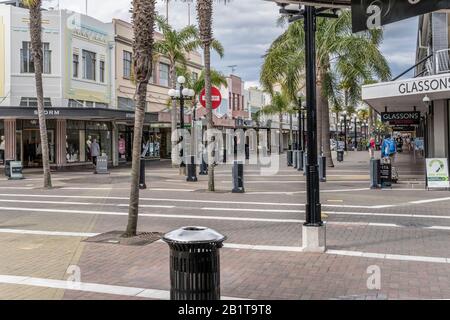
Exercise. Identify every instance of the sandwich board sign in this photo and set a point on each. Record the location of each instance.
(437, 173)
(372, 14)
(15, 168)
(102, 165)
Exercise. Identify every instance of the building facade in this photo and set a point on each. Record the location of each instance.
(426, 94)
(88, 90)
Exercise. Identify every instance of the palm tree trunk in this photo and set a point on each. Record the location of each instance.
(143, 26)
(133, 210)
(209, 115)
(36, 47)
(173, 112)
(280, 141)
(204, 17)
(324, 105)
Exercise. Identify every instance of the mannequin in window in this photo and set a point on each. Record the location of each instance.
(88, 147)
(2, 149)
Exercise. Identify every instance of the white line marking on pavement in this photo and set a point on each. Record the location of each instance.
(111, 188)
(191, 201)
(301, 192)
(264, 248)
(83, 203)
(400, 215)
(17, 188)
(251, 210)
(167, 216)
(289, 181)
(91, 287)
(49, 233)
(430, 200)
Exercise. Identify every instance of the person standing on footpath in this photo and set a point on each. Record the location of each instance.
(371, 146)
(95, 151)
(388, 149)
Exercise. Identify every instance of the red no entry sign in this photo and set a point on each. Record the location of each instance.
(216, 97)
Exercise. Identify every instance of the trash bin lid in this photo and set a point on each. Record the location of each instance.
(194, 235)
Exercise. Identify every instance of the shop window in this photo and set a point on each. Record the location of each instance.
(32, 102)
(101, 105)
(102, 71)
(125, 103)
(164, 74)
(75, 65)
(127, 64)
(75, 104)
(89, 104)
(26, 58)
(89, 65)
(100, 131)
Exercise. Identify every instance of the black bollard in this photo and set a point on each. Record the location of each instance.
(295, 159)
(238, 177)
(224, 155)
(194, 263)
(247, 152)
(375, 173)
(300, 160)
(340, 155)
(192, 171)
(290, 158)
(142, 184)
(323, 169)
(203, 168)
(305, 163)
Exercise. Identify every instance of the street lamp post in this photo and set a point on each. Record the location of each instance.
(300, 122)
(345, 131)
(181, 95)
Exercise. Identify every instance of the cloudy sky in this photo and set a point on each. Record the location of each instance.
(246, 28)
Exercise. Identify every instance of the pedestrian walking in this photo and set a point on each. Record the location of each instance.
(388, 148)
(95, 151)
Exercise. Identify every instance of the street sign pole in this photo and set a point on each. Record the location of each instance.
(313, 206)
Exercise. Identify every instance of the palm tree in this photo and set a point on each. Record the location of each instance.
(280, 106)
(342, 57)
(204, 17)
(176, 45)
(143, 28)
(36, 47)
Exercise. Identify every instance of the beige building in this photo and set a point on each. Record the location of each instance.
(157, 135)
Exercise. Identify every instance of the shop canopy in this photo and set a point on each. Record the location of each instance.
(74, 114)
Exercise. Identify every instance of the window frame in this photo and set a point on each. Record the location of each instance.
(93, 56)
(127, 64)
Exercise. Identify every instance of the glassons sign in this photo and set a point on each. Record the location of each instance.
(372, 14)
(420, 86)
(401, 118)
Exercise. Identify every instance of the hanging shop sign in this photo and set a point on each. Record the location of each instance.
(15, 168)
(401, 118)
(403, 128)
(372, 14)
(437, 173)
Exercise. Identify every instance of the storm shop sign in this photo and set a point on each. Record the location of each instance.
(372, 14)
(422, 86)
(401, 118)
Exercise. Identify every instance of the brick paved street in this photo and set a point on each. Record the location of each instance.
(403, 231)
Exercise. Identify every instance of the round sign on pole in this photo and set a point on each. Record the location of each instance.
(216, 98)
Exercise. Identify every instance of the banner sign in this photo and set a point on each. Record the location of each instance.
(437, 173)
(386, 175)
(401, 118)
(372, 14)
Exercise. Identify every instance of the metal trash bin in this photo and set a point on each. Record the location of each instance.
(8, 168)
(340, 155)
(194, 263)
(142, 184)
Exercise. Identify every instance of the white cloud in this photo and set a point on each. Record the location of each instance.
(246, 29)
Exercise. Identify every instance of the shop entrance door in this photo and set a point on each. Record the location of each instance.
(31, 148)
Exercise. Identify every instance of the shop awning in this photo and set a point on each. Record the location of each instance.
(74, 114)
(408, 94)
